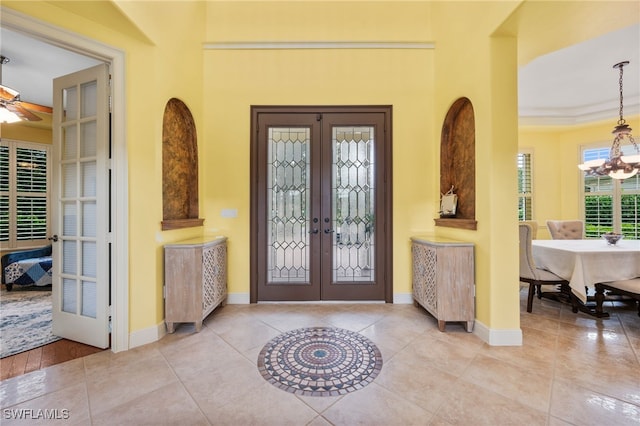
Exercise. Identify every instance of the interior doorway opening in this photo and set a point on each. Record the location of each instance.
(45, 32)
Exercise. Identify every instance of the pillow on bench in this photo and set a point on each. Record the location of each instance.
(27, 267)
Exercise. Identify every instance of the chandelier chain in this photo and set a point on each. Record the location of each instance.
(621, 121)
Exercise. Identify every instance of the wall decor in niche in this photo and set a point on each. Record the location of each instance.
(458, 164)
(179, 168)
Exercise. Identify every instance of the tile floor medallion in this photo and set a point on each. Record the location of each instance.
(320, 361)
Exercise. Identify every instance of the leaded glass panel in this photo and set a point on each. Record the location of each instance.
(353, 194)
(288, 198)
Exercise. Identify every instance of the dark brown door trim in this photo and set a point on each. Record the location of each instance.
(386, 199)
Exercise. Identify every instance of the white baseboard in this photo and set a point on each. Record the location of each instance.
(498, 337)
(157, 332)
(494, 337)
(148, 335)
(403, 298)
(238, 298)
(243, 298)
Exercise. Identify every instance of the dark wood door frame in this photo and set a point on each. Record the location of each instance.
(387, 179)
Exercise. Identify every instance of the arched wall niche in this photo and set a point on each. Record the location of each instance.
(179, 168)
(458, 164)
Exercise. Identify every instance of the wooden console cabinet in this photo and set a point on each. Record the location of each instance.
(195, 279)
(443, 279)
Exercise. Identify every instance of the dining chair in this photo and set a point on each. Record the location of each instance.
(534, 227)
(566, 229)
(629, 288)
(537, 277)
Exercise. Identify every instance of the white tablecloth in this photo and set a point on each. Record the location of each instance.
(586, 262)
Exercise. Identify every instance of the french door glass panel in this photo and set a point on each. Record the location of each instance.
(288, 194)
(353, 195)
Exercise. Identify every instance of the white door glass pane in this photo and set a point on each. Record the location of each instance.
(288, 202)
(70, 219)
(89, 219)
(70, 180)
(89, 299)
(69, 296)
(88, 138)
(89, 179)
(70, 103)
(70, 143)
(89, 93)
(89, 259)
(69, 265)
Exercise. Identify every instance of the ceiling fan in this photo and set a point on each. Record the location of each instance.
(12, 109)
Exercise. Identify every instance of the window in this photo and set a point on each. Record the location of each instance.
(24, 194)
(525, 210)
(611, 204)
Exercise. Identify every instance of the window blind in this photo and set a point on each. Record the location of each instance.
(31, 194)
(24, 189)
(525, 191)
(4, 193)
(610, 204)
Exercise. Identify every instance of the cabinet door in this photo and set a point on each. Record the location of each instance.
(425, 288)
(214, 276)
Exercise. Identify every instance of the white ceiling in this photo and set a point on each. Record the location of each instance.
(579, 84)
(572, 85)
(34, 64)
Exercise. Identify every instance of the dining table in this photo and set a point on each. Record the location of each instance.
(587, 262)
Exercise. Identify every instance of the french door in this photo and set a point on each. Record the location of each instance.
(321, 203)
(80, 208)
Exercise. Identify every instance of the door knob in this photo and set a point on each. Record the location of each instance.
(328, 231)
(314, 231)
(53, 238)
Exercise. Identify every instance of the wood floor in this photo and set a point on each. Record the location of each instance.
(44, 356)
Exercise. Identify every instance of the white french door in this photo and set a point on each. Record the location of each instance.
(81, 206)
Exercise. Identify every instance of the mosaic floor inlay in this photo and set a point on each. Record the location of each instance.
(320, 361)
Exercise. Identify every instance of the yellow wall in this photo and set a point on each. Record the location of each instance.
(472, 63)
(237, 79)
(39, 131)
(475, 56)
(159, 66)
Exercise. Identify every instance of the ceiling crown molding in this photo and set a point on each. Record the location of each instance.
(287, 45)
(578, 115)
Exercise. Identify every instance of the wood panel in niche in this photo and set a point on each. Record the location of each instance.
(179, 167)
(458, 164)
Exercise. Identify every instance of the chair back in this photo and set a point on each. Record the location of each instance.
(527, 266)
(566, 229)
(534, 228)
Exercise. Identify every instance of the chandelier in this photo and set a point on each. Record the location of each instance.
(618, 166)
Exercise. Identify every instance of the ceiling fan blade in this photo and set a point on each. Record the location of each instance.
(21, 112)
(35, 107)
(8, 94)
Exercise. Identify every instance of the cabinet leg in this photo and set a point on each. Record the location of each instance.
(198, 326)
(441, 325)
(171, 327)
(468, 326)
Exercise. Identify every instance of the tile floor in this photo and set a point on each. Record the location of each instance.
(571, 370)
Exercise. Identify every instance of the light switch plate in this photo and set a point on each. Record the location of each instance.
(229, 213)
